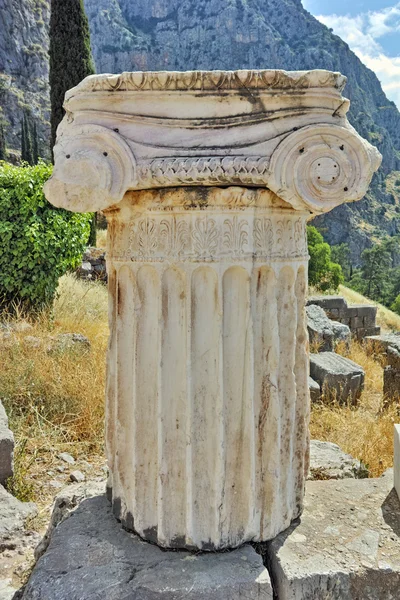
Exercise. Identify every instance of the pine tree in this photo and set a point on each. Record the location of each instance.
(35, 144)
(23, 140)
(70, 54)
(3, 145)
(26, 142)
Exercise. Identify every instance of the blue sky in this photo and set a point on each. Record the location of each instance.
(372, 30)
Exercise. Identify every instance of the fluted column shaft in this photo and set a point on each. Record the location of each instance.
(207, 394)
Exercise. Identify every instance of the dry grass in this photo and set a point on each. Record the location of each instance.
(386, 318)
(55, 400)
(365, 432)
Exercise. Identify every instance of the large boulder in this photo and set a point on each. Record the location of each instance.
(340, 379)
(16, 541)
(315, 390)
(324, 334)
(328, 461)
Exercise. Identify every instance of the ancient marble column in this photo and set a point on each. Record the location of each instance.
(207, 180)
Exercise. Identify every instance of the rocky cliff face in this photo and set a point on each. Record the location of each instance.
(24, 66)
(214, 34)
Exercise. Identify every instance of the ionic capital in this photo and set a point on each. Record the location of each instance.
(287, 132)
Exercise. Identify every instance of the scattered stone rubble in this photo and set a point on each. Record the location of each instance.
(340, 379)
(93, 267)
(6, 448)
(361, 318)
(387, 348)
(62, 342)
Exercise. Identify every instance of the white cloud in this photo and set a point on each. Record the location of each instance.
(362, 33)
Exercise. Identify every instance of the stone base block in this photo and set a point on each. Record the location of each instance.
(346, 547)
(315, 390)
(340, 379)
(397, 459)
(91, 557)
(391, 384)
(6, 448)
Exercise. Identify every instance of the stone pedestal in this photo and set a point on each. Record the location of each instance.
(207, 393)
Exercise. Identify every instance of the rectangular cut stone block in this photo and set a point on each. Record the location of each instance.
(397, 459)
(346, 547)
(90, 556)
(6, 448)
(340, 379)
(369, 331)
(329, 302)
(381, 343)
(315, 390)
(391, 383)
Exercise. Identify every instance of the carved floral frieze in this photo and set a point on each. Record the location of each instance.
(201, 237)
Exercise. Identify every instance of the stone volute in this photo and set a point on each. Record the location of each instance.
(207, 180)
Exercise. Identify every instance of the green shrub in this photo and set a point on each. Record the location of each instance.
(322, 273)
(396, 305)
(38, 243)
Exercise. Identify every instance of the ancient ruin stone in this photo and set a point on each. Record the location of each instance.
(207, 392)
(90, 555)
(323, 333)
(315, 390)
(360, 318)
(346, 546)
(328, 461)
(341, 379)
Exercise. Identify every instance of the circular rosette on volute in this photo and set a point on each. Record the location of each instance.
(319, 167)
(93, 168)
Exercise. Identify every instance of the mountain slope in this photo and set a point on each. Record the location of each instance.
(24, 69)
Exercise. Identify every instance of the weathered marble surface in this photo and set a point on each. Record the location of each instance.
(207, 387)
(207, 398)
(284, 130)
(346, 547)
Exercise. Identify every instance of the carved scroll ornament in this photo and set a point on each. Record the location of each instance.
(122, 133)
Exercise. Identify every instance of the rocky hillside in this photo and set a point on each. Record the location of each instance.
(217, 34)
(24, 70)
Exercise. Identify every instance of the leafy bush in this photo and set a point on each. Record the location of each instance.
(38, 243)
(396, 305)
(322, 272)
